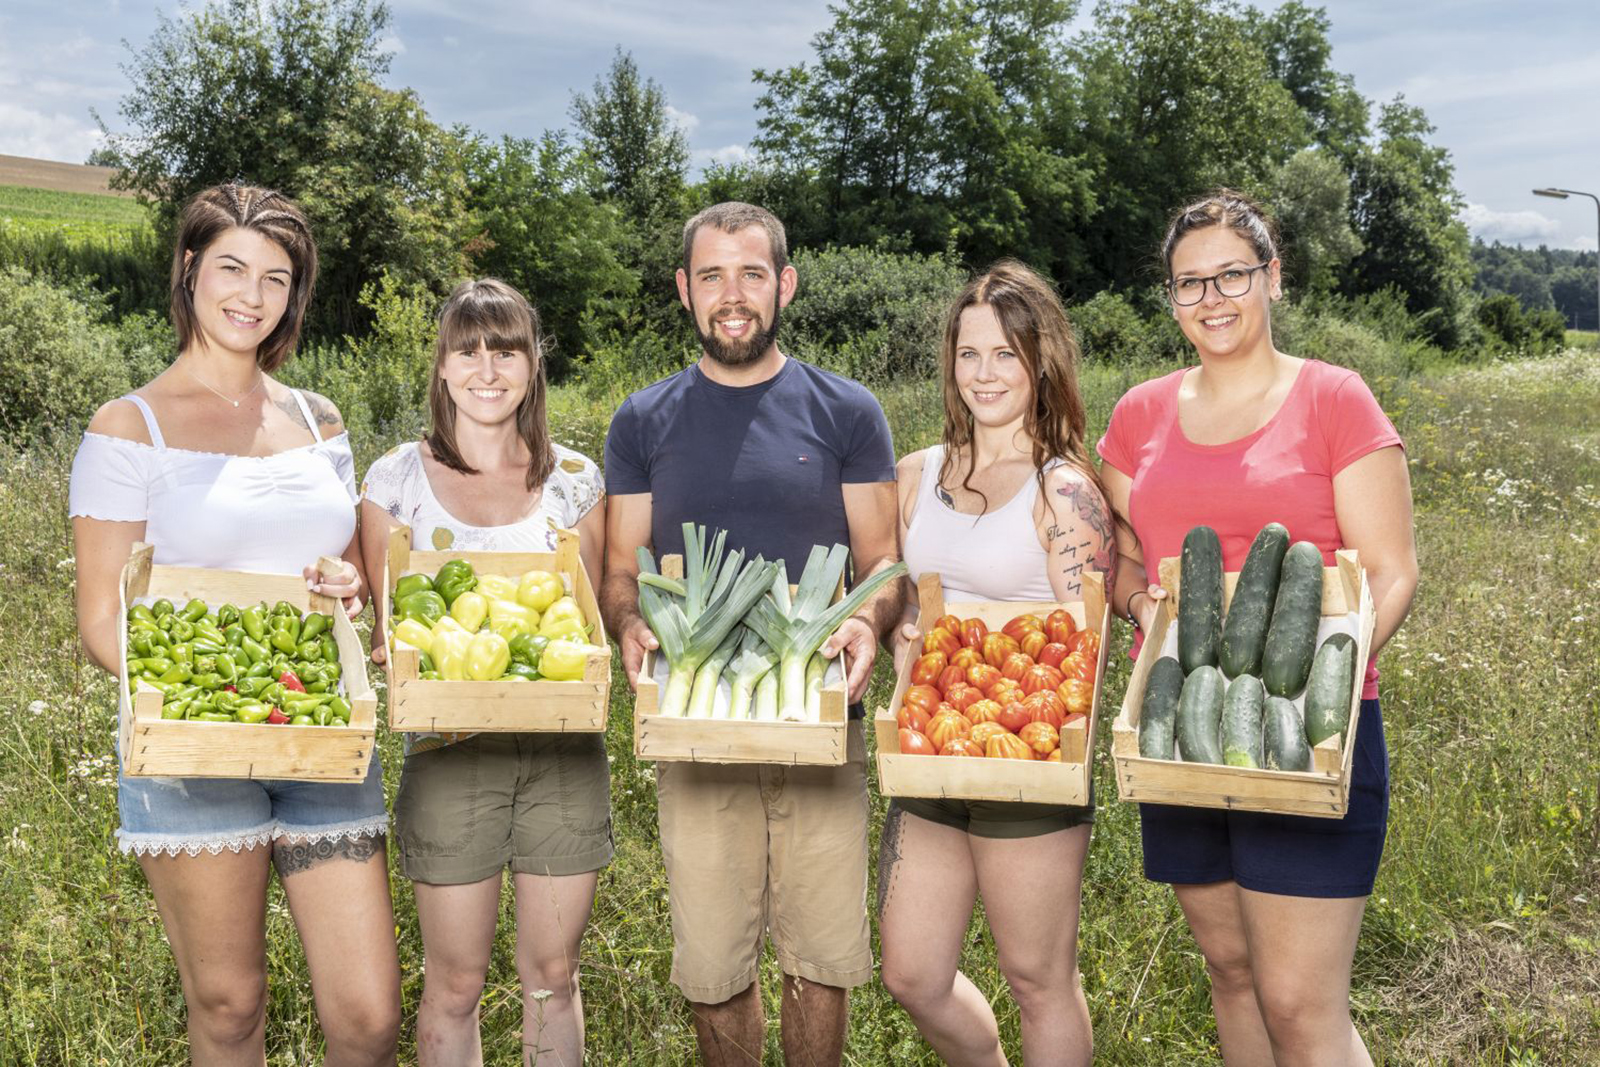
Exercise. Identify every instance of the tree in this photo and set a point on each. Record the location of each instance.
(286, 94)
(1311, 199)
(1294, 39)
(1573, 290)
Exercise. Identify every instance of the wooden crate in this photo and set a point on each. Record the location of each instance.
(543, 706)
(1040, 782)
(680, 739)
(1323, 791)
(153, 746)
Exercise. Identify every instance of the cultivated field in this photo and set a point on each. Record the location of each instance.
(1481, 943)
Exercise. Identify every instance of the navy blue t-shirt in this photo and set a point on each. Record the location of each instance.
(765, 462)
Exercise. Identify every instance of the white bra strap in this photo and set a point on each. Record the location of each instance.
(149, 420)
(305, 409)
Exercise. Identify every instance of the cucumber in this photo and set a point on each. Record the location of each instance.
(1283, 737)
(1244, 630)
(1200, 599)
(1241, 722)
(1159, 710)
(1333, 675)
(1292, 634)
(1200, 716)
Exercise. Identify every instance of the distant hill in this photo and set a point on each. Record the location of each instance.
(61, 177)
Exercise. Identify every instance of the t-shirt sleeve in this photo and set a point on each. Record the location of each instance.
(387, 485)
(1355, 424)
(586, 487)
(344, 464)
(1114, 446)
(870, 454)
(627, 470)
(110, 480)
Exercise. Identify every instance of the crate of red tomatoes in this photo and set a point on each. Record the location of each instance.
(1001, 704)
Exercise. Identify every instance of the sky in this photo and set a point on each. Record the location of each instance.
(1510, 87)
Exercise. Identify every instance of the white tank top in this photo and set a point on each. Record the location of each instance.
(993, 556)
(271, 514)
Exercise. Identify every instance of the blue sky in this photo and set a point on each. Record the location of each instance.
(1511, 87)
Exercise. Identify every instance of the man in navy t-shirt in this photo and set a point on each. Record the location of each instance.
(783, 456)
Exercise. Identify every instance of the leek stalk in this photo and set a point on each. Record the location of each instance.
(753, 663)
(703, 697)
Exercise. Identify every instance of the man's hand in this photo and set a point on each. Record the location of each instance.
(854, 634)
(636, 639)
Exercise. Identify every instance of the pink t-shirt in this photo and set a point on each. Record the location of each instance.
(1281, 473)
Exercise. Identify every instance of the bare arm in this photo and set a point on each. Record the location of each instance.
(1372, 503)
(591, 530)
(869, 508)
(349, 584)
(908, 476)
(1131, 583)
(101, 550)
(1078, 534)
(373, 535)
(627, 519)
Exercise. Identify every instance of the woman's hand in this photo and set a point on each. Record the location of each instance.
(905, 641)
(343, 583)
(1143, 605)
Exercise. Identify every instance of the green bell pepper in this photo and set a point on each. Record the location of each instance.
(139, 613)
(284, 642)
(252, 711)
(412, 583)
(427, 607)
(182, 629)
(330, 649)
(207, 681)
(227, 615)
(182, 652)
(175, 709)
(283, 607)
(424, 662)
(522, 671)
(310, 651)
(315, 625)
(194, 609)
(454, 578)
(254, 651)
(162, 607)
(302, 720)
(340, 708)
(430, 676)
(254, 622)
(226, 666)
(177, 673)
(527, 648)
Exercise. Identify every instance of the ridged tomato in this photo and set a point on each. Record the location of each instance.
(973, 631)
(948, 622)
(1059, 625)
(1033, 642)
(982, 711)
(1041, 737)
(1052, 654)
(1016, 665)
(940, 640)
(1078, 666)
(1014, 716)
(1055, 756)
(1045, 706)
(985, 730)
(928, 667)
(922, 696)
(966, 657)
(1086, 642)
(1072, 718)
(1019, 626)
(915, 743)
(996, 647)
(946, 727)
(911, 717)
(962, 746)
(949, 677)
(1040, 677)
(1007, 746)
(983, 676)
(1077, 695)
(1004, 691)
(962, 696)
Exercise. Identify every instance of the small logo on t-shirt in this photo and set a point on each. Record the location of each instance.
(805, 459)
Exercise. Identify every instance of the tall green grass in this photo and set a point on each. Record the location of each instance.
(1481, 944)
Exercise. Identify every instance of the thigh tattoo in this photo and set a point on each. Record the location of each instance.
(292, 858)
(888, 854)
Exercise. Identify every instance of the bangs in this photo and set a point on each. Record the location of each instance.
(501, 324)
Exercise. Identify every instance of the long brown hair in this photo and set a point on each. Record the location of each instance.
(490, 311)
(247, 207)
(1036, 327)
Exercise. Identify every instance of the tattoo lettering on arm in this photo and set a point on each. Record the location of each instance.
(888, 855)
(294, 857)
(1095, 517)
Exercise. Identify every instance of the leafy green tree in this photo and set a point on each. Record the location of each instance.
(286, 94)
(1573, 290)
(1294, 39)
(1310, 195)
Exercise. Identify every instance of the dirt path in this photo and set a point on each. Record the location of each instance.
(61, 177)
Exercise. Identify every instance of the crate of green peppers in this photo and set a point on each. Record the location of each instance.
(233, 674)
(493, 641)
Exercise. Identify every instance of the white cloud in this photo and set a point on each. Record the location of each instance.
(733, 153)
(687, 121)
(392, 44)
(1510, 227)
(25, 132)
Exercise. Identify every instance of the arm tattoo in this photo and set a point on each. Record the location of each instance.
(888, 855)
(292, 858)
(1093, 514)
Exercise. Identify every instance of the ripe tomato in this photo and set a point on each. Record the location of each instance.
(1018, 627)
(1004, 691)
(966, 657)
(950, 623)
(1077, 695)
(1055, 756)
(982, 676)
(1078, 666)
(940, 640)
(915, 743)
(973, 631)
(927, 668)
(1033, 642)
(982, 711)
(1045, 705)
(1015, 666)
(1014, 716)
(946, 727)
(961, 746)
(1007, 746)
(985, 730)
(1052, 654)
(996, 647)
(1041, 737)
(1059, 625)
(950, 676)
(962, 696)
(925, 697)
(1040, 677)
(911, 717)
(1072, 719)
(1086, 642)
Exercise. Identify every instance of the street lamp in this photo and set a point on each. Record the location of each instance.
(1562, 194)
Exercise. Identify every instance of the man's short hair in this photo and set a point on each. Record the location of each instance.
(733, 216)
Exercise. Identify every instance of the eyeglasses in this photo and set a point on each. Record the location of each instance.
(1235, 281)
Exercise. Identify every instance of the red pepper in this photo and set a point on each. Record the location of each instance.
(288, 680)
(230, 689)
(277, 717)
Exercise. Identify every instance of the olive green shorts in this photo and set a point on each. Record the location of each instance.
(997, 818)
(538, 802)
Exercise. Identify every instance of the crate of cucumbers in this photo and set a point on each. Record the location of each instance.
(231, 674)
(739, 678)
(1247, 692)
(493, 641)
(1014, 687)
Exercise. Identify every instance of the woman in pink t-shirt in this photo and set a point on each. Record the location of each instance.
(1253, 436)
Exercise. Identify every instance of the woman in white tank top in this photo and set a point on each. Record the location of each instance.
(218, 465)
(1009, 507)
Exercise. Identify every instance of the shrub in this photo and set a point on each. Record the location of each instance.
(1503, 322)
(1109, 330)
(128, 265)
(1346, 341)
(58, 361)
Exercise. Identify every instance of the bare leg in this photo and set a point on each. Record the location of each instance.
(339, 896)
(457, 938)
(1301, 950)
(214, 909)
(552, 913)
(1038, 953)
(1216, 918)
(814, 1020)
(733, 1033)
(927, 885)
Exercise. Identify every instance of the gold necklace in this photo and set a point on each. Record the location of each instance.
(259, 379)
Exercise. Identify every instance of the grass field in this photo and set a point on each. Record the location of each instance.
(1481, 944)
(76, 215)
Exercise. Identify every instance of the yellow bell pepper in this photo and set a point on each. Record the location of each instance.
(497, 587)
(563, 618)
(470, 609)
(509, 612)
(413, 633)
(449, 624)
(487, 657)
(539, 589)
(450, 653)
(563, 659)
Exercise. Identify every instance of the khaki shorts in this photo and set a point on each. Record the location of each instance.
(757, 848)
(539, 802)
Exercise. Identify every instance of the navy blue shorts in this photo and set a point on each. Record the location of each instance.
(1288, 855)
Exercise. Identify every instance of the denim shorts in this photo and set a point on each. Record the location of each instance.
(194, 815)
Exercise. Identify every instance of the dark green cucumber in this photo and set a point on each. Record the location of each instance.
(1292, 635)
(1241, 722)
(1159, 711)
(1333, 674)
(1244, 630)
(1200, 716)
(1283, 737)
(1200, 599)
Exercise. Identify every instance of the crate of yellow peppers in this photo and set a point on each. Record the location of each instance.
(493, 641)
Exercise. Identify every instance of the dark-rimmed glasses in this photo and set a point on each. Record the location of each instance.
(1235, 281)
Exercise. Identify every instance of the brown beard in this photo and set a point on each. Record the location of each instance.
(736, 353)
